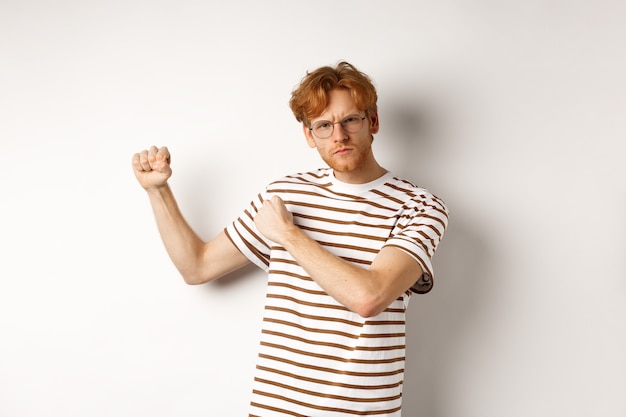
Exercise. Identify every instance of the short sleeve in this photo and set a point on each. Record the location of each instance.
(418, 233)
(245, 236)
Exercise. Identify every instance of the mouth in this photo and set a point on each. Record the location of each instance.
(343, 151)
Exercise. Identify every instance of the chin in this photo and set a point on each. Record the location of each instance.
(342, 167)
(346, 165)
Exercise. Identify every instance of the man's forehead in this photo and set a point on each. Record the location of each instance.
(340, 105)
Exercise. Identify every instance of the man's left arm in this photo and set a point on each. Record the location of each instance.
(367, 292)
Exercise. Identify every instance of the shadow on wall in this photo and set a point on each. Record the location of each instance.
(436, 322)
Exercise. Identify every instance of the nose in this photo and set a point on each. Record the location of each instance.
(339, 133)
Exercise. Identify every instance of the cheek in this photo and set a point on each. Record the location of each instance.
(324, 152)
(315, 144)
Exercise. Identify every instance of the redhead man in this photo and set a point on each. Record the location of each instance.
(344, 246)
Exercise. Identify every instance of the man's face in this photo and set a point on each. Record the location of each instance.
(346, 153)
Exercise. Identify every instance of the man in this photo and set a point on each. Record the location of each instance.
(344, 248)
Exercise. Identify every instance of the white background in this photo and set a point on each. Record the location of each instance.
(513, 112)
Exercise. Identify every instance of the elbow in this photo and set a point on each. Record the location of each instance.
(368, 308)
(366, 314)
(369, 313)
(191, 281)
(193, 278)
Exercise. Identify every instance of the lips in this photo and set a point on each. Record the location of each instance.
(343, 151)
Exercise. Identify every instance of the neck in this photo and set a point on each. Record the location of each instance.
(362, 175)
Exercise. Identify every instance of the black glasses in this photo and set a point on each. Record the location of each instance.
(324, 129)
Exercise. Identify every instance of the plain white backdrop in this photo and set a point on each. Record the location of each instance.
(513, 112)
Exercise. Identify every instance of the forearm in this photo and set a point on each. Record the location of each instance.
(357, 288)
(183, 245)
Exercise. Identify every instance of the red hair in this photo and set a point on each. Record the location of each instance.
(310, 98)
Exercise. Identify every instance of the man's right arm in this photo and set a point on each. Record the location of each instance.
(196, 260)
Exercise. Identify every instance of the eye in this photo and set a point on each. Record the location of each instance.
(322, 125)
(352, 119)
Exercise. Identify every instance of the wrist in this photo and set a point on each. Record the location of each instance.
(156, 189)
(158, 192)
(293, 237)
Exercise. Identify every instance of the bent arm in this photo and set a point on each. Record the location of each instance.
(196, 260)
(367, 292)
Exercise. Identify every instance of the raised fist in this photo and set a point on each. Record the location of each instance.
(152, 167)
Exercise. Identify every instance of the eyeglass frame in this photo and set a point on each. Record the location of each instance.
(336, 123)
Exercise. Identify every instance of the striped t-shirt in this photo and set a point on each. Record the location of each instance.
(316, 357)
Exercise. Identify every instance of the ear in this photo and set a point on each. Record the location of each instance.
(373, 118)
(308, 136)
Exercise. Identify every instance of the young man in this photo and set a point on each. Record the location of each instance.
(344, 248)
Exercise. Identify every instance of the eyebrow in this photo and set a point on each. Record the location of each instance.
(328, 120)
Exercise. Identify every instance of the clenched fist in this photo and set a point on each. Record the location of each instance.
(273, 220)
(152, 167)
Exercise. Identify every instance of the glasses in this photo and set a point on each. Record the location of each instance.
(324, 129)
